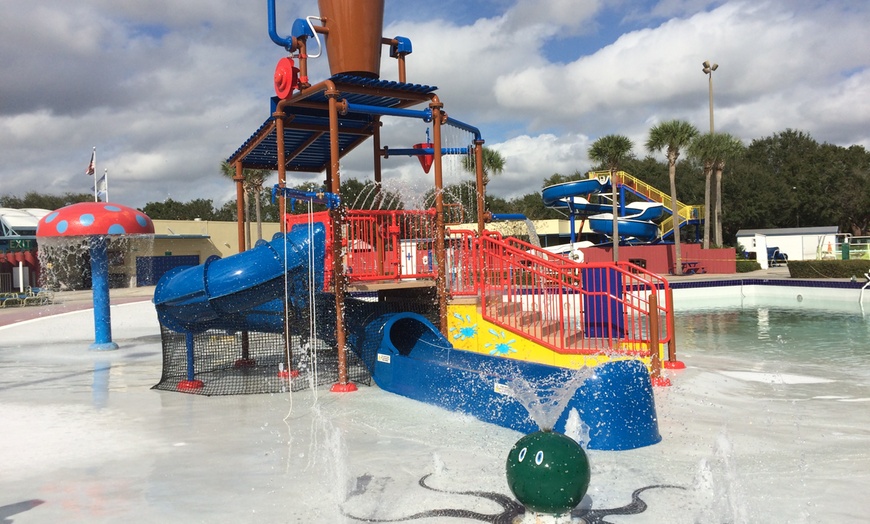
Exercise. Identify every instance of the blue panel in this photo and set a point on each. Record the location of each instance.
(150, 269)
(602, 305)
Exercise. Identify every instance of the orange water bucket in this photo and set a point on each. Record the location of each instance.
(353, 43)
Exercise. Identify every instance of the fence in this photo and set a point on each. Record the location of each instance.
(568, 307)
(571, 307)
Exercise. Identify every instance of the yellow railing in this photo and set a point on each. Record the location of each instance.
(685, 212)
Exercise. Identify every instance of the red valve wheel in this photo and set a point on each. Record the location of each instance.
(286, 77)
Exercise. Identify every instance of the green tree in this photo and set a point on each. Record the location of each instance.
(672, 136)
(32, 199)
(612, 151)
(253, 187)
(701, 149)
(726, 148)
(493, 164)
(171, 209)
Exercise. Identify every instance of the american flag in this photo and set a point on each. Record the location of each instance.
(92, 167)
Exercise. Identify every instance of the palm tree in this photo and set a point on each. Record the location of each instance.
(672, 136)
(728, 148)
(253, 185)
(612, 150)
(493, 164)
(701, 149)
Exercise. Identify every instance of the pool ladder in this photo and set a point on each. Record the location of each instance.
(861, 296)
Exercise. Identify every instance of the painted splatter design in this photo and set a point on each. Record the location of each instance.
(511, 509)
(466, 330)
(501, 346)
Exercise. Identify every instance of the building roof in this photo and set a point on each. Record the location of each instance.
(20, 221)
(790, 231)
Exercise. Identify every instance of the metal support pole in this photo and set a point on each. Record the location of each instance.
(481, 188)
(655, 358)
(282, 164)
(440, 230)
(239, 178)
(337, 218)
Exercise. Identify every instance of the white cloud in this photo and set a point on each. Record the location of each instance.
(166, 90)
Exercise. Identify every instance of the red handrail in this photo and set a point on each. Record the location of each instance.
(566, 306)
(570, 307)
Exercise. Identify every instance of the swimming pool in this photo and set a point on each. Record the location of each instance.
(783, 373)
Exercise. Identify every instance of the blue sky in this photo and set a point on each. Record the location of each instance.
(165, 89)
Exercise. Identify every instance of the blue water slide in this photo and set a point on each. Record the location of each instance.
(571, 196)
(643, 230)
(410, 357)
(246, 290)
(562, 195)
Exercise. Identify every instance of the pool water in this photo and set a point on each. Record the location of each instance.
(778, 339)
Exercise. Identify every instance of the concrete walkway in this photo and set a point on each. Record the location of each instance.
(68, 301)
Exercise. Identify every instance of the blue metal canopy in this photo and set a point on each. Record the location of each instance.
(306, 124)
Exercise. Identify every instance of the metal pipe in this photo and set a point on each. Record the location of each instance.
(466, 127)
(387, 152)
(424, 114)
(286, 43)
(508, 216)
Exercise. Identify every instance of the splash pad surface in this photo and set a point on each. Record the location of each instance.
(87, 440)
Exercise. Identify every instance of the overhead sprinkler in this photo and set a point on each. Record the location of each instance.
(93, 224)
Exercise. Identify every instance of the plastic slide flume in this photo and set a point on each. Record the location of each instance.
(242, 291)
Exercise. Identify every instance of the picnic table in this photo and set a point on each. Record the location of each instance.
(692, 268)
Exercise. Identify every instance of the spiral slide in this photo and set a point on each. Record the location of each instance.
(572, 196)
(243, 291)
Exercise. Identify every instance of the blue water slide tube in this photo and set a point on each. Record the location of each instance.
(250, 284)
(416, 361)
(556, 194)
(643, 230)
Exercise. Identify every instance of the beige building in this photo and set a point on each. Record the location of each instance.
(141, 262)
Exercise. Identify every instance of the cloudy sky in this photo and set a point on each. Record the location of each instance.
(165, 90)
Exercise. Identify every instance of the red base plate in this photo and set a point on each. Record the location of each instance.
(661, 382)
(343, 388)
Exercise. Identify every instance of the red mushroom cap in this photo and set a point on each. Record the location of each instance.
(94, 218)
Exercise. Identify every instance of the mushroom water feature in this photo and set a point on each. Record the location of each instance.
(93, 224)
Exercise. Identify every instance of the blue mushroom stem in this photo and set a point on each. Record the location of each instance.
(100, 287)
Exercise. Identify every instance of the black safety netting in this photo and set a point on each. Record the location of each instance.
(231, 360)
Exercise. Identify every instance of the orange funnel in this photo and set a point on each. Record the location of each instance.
(353, 43)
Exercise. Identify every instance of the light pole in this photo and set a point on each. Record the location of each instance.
(708, 70)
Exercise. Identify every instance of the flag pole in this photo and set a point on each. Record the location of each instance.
(93, 171)
(106, 182)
